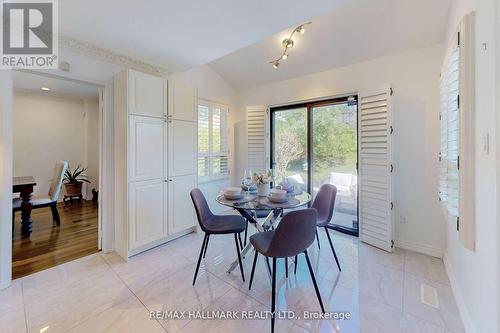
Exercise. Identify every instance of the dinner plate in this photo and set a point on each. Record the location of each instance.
(278, 200)
(233, 196)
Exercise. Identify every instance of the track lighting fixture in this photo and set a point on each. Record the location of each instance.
(288, 43)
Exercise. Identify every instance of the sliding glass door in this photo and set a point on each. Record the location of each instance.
(316, 143)
(335, 157)
(290, 153)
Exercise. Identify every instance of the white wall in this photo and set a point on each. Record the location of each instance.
(473, 274)
(458, 9)
(47, 129)
(5, 178)
(414, 77)
(91, 144)
(213, 87)
(497, 66)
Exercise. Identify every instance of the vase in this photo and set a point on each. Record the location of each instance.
(263, 189)
(73, 189)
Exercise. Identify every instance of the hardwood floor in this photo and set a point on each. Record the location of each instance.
(50, 245)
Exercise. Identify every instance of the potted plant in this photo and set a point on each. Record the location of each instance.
(74, 180)
(263, 182)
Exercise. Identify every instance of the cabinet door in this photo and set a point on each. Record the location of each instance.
(146, 212)
(146, 148)
(181, 101)
(182, 148)
(146, 94)
(181, 213)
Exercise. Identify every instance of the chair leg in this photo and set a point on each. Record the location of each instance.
(273, 297)
(239, 256)
(240, 242)
(286, 268)
(55, 213)
(206, 246)
(333, 250)
(246, 232)
(268, 265)
(295, 269)
(205, 240)
(317, 238)
(253, 269)
(314, 281)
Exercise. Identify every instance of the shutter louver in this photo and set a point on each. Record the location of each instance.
(375, 165)
(257, 138)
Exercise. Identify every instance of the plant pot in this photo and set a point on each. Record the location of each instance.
(263, 189)
(73, 189)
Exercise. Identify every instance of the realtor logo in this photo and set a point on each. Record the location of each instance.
(29, 34)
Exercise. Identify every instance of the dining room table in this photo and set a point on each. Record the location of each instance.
(249, 203)
(24, 186)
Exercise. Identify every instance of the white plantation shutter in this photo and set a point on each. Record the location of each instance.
(213, 159)
(375, 168)
(449, 125)
(203, 140)
(257, 138)
(457, 115)
(219, 161)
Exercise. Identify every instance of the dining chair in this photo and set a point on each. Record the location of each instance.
(51, 199)
(293, 235)
(216, 225)
(324, 203)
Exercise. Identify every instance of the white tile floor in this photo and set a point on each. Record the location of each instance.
(102, 293)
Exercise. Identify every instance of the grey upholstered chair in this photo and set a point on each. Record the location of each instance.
(216, 225)
(293, 236)
(53, 195)
(324, 203)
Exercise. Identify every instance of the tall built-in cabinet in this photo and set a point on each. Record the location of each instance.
(155, 160)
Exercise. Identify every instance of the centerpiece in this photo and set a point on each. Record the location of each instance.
(263, 182)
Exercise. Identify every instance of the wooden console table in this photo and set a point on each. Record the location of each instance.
(24, 186)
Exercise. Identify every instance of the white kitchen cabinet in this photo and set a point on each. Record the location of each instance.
(182, 102)
(181, 213)
(155, 161)
(146, 214)
(182, 148)
(146, 94)
(146, 148)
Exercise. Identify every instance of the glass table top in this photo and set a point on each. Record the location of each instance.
(255, 202)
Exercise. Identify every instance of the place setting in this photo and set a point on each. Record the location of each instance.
(256, 192)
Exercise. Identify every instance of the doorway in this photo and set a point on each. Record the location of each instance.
(316, 143)
(56, 122)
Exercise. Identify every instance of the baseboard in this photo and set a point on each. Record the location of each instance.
(5, 285)
(420, 248)
(459, 299)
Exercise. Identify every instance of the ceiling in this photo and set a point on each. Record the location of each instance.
(24, 81)
(356, 31)
(181, 34)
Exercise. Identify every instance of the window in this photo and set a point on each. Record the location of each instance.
(457, 116)
(449, 117)
(212, 141)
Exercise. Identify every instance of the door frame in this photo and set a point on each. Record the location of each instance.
(309, 105)
(106, 164)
